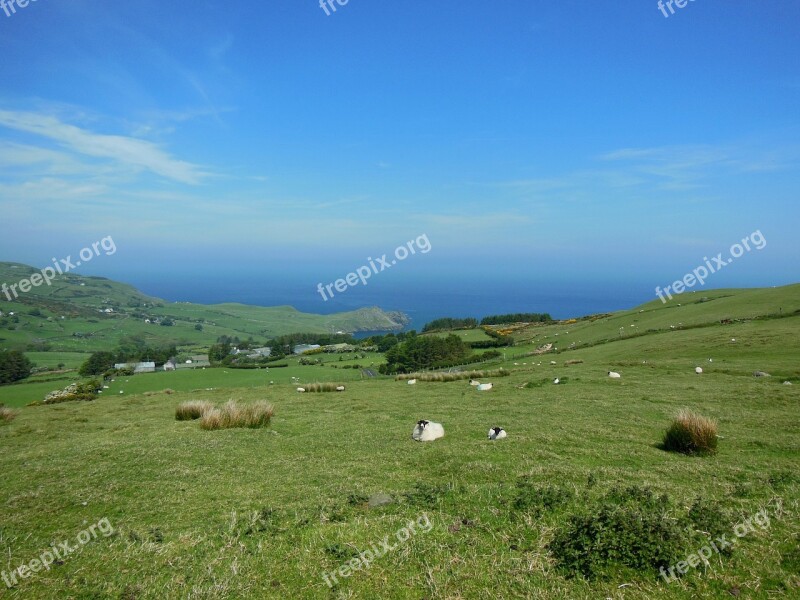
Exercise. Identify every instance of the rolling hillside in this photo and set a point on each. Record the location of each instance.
(70, 316)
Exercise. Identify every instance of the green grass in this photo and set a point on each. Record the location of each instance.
(467, 335)
(255, 513)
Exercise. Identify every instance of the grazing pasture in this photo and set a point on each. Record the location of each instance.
(263, 513)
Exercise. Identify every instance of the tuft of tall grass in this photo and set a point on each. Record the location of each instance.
(233, 415)
(321, 387)
(191, 410)
(453, 376)
(7, 414)
(691, 433)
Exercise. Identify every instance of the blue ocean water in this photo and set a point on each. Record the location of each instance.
(422, 302)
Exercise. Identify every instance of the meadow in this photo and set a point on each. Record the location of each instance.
(263, 513)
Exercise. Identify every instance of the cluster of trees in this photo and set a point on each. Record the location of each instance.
(450, 323)
(422, 352)
(382, 343)
(131, 348)
(14, 366)
(516, 318)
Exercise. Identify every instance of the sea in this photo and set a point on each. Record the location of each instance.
(422, 302)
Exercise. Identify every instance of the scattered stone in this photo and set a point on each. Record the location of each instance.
(377, 500)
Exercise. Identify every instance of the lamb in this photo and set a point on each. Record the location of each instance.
(497, 433)
(556, 381)
(301, 390)
(474, 382)
(484, 387)
(339, 388)
(614, 375)
(698, 370)
(412, 381)
(427, 431)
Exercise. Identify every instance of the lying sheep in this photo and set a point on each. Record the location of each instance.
(497, 433)
(339, 388)
(484, 387)
(614, 375)
(301, 390)
(412, 381)
(698, 370)
(427, 431)
(474, 382)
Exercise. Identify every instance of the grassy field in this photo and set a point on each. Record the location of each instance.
(266, 513)
(467, 335)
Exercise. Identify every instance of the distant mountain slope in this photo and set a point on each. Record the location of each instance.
(80, 313)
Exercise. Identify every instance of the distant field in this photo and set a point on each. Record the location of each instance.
(468, 335)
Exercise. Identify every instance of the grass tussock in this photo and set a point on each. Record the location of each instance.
(7, 415)
(321, 387)
(691, 433)
(167, 391)
(233, 415)
(191, 410)
(453, 376)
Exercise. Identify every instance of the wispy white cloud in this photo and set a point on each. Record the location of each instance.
(123, 150)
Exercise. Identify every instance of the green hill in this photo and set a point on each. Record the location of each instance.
(70, 316)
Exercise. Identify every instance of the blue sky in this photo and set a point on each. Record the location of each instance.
(544, 142)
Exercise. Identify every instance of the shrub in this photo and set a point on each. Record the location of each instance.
(628, 529)
(233, 415)
(191, 410)
(540, 499)
(691, 434)
(7, 415)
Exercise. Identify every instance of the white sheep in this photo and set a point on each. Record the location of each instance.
(427, 431)
(556, 381)
(412, 381)
(301, 390)
(339, 388)
(614, 375)
(552, 362)
(497, 433)
(474, 382)
(484, 387)
(698, 370)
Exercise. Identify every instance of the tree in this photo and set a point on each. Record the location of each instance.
(97, 363)
(14, 365)
(219, 352)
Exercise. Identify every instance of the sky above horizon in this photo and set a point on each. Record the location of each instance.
(537, 141)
